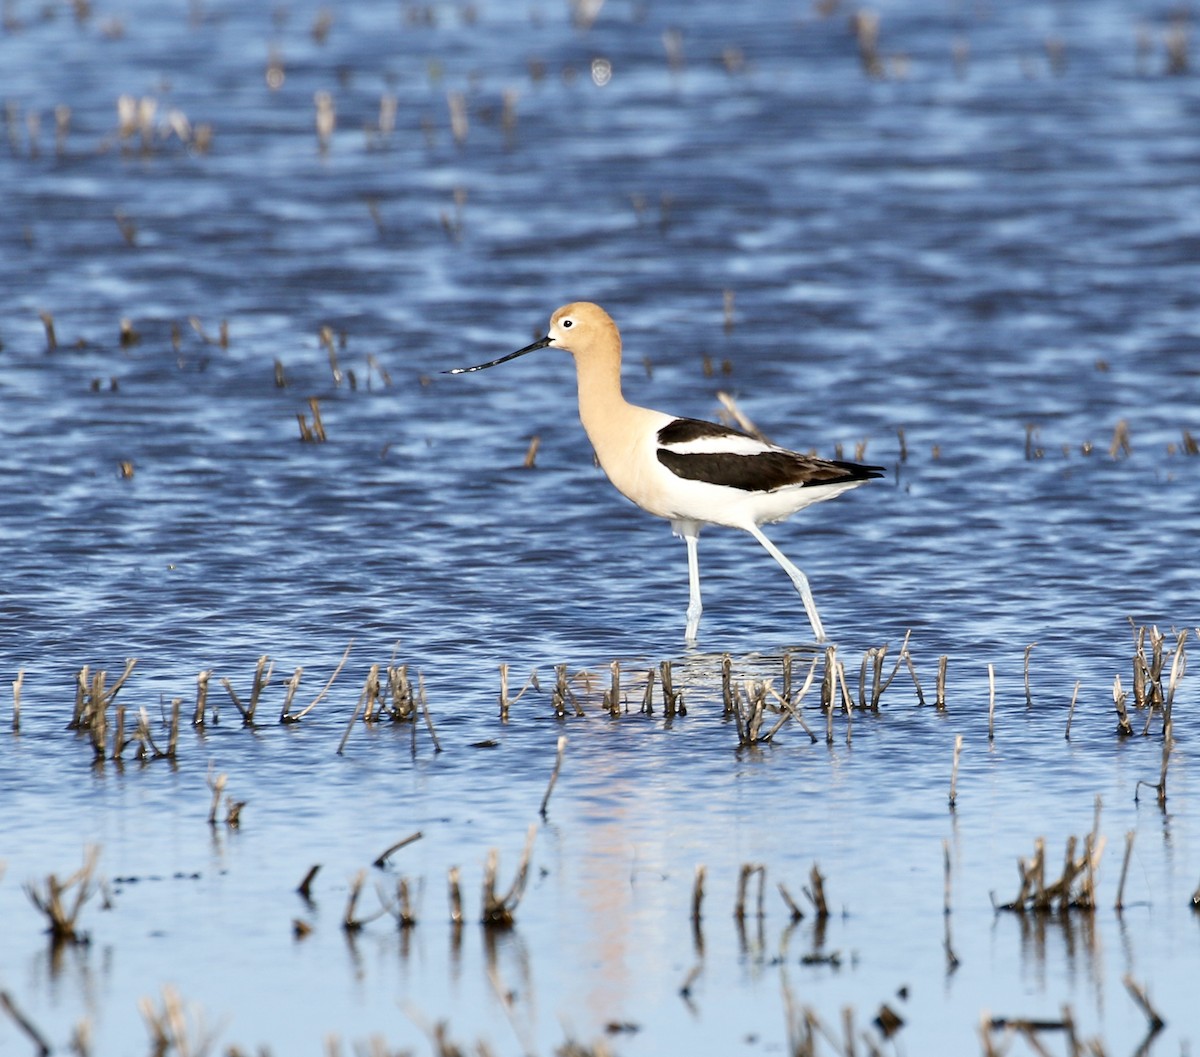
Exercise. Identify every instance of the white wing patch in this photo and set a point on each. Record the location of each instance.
(725, 444)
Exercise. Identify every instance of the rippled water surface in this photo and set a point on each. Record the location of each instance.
(971, 258)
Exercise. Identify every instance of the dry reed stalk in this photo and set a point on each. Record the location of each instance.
(233, 812)
(498, 911)
(728, 691)
(370, 695)
(1124, 727)
(1120, 901)
(865, 24)
(940, 688)
(51, 338)
(305, 885)
(403, 699)
(750, 870)
(740, 418)
(406, 915)
(40, 1044)
(62, 913)
(172, 1030)
(751, 719)
(912, 671)
(562, 692)
(672, 698)
(1120, 440)
(455, 892)
(648, 695)
(794, 910)
(504, 701)
(879, 684)
(382, 858)
(285, 717)
(790, 705)
(350, 725)
(815, 891)
(612, 696)
(425, 714)
(558, 761)
(119, 739)
(1071, 710)
(350, 922)
(173, 736)
(530, 460)
(201, 697)
(18, 682)
(958, 744)
(147, 748)
(1178, 667)
(292, 685)
(262, 678)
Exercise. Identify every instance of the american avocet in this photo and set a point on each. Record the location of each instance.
(692, 473)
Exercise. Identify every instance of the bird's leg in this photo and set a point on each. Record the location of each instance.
(799, 580)
(694, 607)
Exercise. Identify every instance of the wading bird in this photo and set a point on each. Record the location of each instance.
(691, 472)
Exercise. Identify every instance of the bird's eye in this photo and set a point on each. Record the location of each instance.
(567, 324)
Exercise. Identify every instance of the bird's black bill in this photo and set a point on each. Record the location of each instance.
(541, 343)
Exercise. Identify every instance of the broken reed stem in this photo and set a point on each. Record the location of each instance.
(1120, 903)
(672, 698)
(1124, 727)
(1071, 710)
(530, 460)
(498, 911)
(991, 702)
(173, 736)
(912, 671)
(793, 909)
(958, 744)
(437, 745)
(358, 707)
(201, 697)
(612, 696)
(558, 760)
(286, 718)
(455, 893)
(698, 893)
(750, 870)
(815, 891)
(728, 694)
(305, 886)
(940, 688)
(349, 922)
(382, 858)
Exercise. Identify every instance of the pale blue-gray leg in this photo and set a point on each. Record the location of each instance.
(799, 580)
(694, 607)
(689, 531)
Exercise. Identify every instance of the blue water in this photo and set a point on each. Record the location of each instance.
(973, 270)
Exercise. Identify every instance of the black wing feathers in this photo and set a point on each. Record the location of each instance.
(763, 471)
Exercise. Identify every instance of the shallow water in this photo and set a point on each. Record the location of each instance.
(976, 270)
